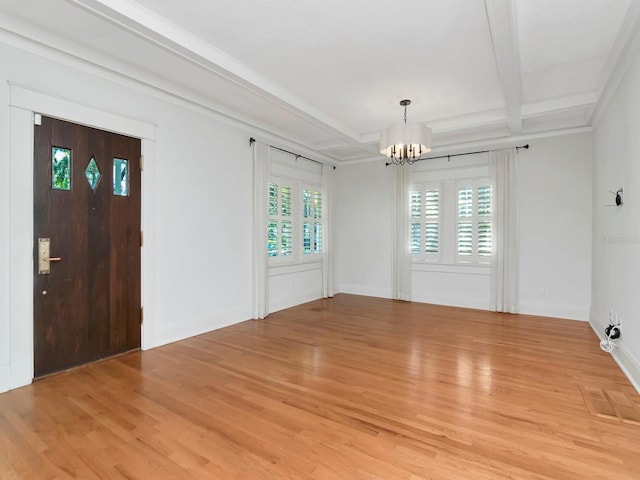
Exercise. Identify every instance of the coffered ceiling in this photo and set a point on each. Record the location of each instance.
(328, 75)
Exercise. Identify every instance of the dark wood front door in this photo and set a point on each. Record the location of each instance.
(87, 203)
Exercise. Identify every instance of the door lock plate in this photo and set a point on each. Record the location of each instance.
(43, 256)
(44, 260)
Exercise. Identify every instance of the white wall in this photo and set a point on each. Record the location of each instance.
(288, 288)
(555, 181)
(201, 241)
(555, 216)
(4, 241)
(616, 230)
(203, 225)
(363, 216)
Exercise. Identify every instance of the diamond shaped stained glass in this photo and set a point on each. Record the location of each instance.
(92, 172)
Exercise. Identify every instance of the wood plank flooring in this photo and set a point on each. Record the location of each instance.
(347, 388)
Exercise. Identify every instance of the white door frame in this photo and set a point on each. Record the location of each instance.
(24, 103)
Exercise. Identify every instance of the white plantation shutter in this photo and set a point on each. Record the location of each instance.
(279, 227)
(272, 239)
(485, 201)
(465, 238)
(485, 239)
(317, 238)
(475, 222)
(415, 233)
(286, 236)
(273, 225)
(424, 226)
(312, 221)
(415, 204)
(432, 222)
(465, 202)
(286, 231)
(317, 222)
(273, 199)
(485, 224)
(432, 239)
(415, 238)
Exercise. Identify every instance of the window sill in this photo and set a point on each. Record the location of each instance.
(275, 270)
(459, 268)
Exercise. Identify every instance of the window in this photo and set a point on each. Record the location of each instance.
(294, 229)
(61, 168)
(312, 221)
(280, 225)
(474, 225)
(451, 221)
(93, 174)
(120, 177)
(425, 223)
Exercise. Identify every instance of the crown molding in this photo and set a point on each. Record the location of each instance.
(142, 22)
(488, 144)
(26, 37)
(619, 60)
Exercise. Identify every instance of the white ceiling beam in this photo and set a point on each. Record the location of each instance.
(504, 35)
(146, 24)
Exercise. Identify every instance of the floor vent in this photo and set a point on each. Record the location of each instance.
(611, 404)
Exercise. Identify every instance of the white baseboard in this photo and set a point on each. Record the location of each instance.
(629, 365)
(172, 332)
(452, 300)
(283, 302)
(14, 375)
(4, 379)
(556, 310)
(367, 291)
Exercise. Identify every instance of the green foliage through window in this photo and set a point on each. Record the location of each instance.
(61, 169)
(92, 173)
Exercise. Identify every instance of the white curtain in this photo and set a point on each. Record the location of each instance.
(328, 256)
(401, 258)
(261, 167)
(505, 295)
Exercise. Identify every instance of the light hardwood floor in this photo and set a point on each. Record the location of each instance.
(348, 388)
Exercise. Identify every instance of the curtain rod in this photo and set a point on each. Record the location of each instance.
(252, 141)
(526, 147)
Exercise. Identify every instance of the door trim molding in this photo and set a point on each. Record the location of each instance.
(24, 102)
(67, 109)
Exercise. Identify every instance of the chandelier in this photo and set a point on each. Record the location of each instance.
(405, 142)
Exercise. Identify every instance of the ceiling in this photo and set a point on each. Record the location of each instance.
(328, 75)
